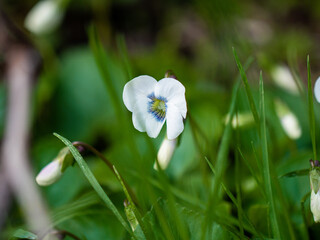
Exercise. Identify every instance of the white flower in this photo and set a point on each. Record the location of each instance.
(315, 205)
(289, 121)
(165, 152)
(153, 102)
(50, 173)
(44, 17)
(317, 89)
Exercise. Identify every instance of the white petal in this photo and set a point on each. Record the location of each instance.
(49, 174)
(315, 205)
(144, 121)
(174, 92)
(174, 122)
(317, 89)
(141, 86)
(153, 126)
(140, 113)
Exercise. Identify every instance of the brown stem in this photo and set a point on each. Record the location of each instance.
(108, 163)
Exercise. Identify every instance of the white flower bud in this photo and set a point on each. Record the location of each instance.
(315, 193)
(53, 171)
(44, 17)
(50, 173)
(315, 205)
(165, 152)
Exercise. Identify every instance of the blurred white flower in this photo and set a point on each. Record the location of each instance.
(165, 152)
(317, 89)
(44, 17)
(289, 121)
(53, 171)
(283, 78)
(153, 102)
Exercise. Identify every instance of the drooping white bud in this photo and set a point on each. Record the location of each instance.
(314, 175)
(165, 152)
(44, 17)
(50, 173)
(315, 205)
(53, 171)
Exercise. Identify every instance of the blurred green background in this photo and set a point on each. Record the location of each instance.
(194, 38)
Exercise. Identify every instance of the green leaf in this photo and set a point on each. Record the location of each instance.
(22, 234)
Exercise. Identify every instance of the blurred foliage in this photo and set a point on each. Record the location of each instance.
(194, 38)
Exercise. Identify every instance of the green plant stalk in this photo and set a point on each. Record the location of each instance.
(247, 87)
(252, 228)
(94, 183)
(292, 60)
(266, 167)
(253, 173)
(171, 200)
(311, 112)
(238, 180)
(221, 164)
(303, 212)
(135, 210)
(107, 162)
(124, 54)
(100, 58)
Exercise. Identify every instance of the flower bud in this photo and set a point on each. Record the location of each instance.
(53, 171)
(165, 152)
(315, 193)
(44, 17)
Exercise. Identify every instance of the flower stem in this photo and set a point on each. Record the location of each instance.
(108, 163)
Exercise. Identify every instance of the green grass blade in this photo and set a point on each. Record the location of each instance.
(102, 61)
(247, 87)
(304, 216)
(311, 112)
(296, 173)
(94, 183)
(266, 167)
(236, 203)
(124, 54)
(253, 173)
(221, 163)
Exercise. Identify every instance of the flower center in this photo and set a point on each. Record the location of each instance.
(157, 107)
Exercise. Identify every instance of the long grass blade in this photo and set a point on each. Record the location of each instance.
(247, 87)
(311, 112)
(94, 183)
(266, 167)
